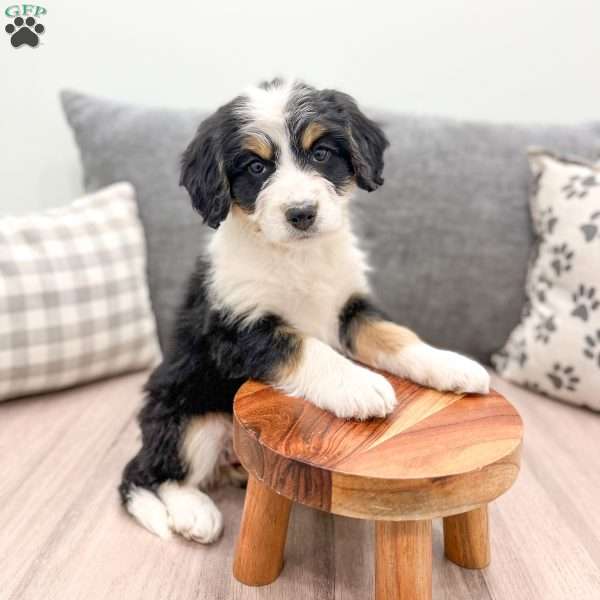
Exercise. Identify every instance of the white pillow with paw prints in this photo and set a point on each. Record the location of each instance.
(555, 350)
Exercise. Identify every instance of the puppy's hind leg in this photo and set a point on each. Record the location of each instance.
(192, 513)
(160, 484)
(157, 461)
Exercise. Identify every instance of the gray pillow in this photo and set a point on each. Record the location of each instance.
(448, 234)
(122, 142)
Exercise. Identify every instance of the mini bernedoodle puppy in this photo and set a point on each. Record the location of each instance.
(281, 295)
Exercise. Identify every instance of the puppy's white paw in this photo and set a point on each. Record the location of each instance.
(354, 392)
(149, 511)
(192, 513)
(334, 383)
(442, 370)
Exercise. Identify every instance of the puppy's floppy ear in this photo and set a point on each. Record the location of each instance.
(203, 172)
(367, 141)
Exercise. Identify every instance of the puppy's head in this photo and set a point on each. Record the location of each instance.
(284, 156)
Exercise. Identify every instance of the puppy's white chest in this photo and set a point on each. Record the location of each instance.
(310, 291)
(307, 287)
(313, 305)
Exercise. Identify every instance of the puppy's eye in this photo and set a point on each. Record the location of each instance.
(320, 154)
(256, 167)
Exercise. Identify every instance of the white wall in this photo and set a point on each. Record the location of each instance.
(512, 60)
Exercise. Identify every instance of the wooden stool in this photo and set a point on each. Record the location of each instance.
(438, 455)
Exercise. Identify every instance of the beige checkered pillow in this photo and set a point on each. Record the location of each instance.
(74, 303)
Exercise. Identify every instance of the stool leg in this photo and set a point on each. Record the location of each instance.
(259, 553)
(403, 556)
(466, 539)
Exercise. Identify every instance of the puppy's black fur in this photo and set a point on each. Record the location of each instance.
(212, 354)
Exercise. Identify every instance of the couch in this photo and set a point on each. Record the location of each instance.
(452, 222)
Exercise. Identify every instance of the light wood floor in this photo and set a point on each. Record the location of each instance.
(63, 535)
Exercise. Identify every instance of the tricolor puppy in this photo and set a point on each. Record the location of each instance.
(281, 295)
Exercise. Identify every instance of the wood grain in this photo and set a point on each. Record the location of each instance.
(259, 553)
(438, 454)
(467, 539)
(403, 559)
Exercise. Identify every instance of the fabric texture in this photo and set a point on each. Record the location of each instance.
(121, 142)
(448, 234)
(555, 349)
(74, 301)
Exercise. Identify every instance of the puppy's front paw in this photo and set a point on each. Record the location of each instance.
(357, 393)
(443, 370)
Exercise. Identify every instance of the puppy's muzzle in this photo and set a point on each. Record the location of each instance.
(301, 217)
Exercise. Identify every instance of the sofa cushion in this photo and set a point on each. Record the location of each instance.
(74, 302)
(449, 232)
(555, 349)
(121, 142)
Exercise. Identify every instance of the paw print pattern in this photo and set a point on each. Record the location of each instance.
(541, 286)
(518, 353)
(563, 377)
(500, 360)
(534, 185)
(544, 329)
(585, 302)
(563, 259)
(579, 185)
(515, 350)
(546, 221)
(592, 347)
(527, 310)
(591, 229)
(24, 32)
(534, 386)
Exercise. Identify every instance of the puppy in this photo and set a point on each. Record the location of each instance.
(281, 296)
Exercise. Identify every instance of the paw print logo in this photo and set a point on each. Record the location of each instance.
(579, 185)
(592, 347)
(563, 259)
(585, 301)
(591, 229)
(24, 31)
(563, 377)
(544, 329)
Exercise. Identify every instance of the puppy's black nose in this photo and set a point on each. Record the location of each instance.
(301, 217)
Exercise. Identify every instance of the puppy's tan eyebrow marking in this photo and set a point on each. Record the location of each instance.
(259, 145)
(311, 134)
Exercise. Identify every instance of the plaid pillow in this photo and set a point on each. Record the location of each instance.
(74, 302)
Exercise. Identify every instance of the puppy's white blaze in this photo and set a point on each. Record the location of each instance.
(269, 105)
(205, 440)
(439, 369)
(149, 511)
(192, 513)
(266, 110)
(307, 284)
(334, 383)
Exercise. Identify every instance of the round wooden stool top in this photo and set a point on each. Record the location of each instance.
(437, 454)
